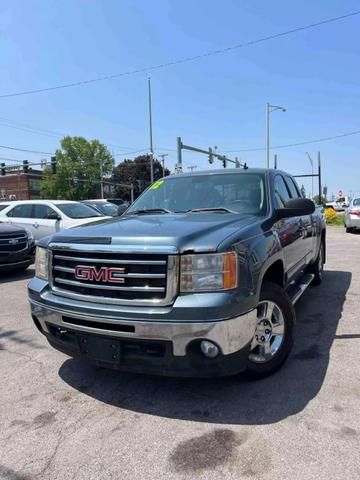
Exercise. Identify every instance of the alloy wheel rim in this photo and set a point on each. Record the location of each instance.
(269, 333)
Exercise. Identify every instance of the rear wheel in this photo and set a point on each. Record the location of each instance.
(274, 334)
(348, 229)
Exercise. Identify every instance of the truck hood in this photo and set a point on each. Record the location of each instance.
(198, 232)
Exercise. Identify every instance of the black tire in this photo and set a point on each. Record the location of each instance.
(317, 268)
(348, 229)
(273, 293)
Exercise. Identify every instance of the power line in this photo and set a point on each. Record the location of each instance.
(49, 133)
(257, 149)
(318, 140)
(129, 153)
(27, 151)
(185, 59)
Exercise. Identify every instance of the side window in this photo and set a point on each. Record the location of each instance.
(282, 194)
(294, 190)
(21, 211)
(43, 211)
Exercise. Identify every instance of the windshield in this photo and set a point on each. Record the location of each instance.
(238, 192)
(356, 202)
(78, 210)
(106, 208)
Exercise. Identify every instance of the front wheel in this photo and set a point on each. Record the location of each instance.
(274, 334)
(318, 267)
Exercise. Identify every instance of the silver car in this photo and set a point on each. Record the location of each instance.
(352, 215)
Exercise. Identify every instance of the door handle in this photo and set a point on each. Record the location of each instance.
(36, 225)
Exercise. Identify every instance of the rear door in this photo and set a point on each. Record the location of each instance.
(22, 215)
(307, 224)
(289, 230)
(45, 220)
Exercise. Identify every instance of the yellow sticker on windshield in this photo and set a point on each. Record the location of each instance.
(157, 184)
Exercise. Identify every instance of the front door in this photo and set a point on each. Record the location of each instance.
(45, 220)
(289, 230)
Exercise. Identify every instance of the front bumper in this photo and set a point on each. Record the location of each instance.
(155, 347)
(17, 260)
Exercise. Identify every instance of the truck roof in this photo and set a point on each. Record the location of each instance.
(225, 171)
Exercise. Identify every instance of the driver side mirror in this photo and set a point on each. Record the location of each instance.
(53, 216)
(296, 207)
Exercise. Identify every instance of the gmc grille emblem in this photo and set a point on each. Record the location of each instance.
(102, 274)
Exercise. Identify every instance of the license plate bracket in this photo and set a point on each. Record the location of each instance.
(100, 349)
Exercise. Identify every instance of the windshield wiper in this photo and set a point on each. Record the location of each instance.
(149, 210)
(212, 209)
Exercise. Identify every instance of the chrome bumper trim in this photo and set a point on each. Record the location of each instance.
(230, 335)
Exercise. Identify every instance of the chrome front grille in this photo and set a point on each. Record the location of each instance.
(139, 278)
(14, 242)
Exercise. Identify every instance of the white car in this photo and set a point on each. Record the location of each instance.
(44, 217)
(339, 205)
(352, 215)
(4, 205)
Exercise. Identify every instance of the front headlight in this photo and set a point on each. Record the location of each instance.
(208, 272)
(42, 263)
(30, 236)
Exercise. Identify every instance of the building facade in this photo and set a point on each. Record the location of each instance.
(20, 186)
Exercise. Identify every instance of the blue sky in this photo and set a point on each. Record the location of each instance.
(218, 100)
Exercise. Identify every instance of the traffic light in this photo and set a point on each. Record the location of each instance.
(53, 165)
(3, 171)
(224, 162)
(25, 166)
(211, 158)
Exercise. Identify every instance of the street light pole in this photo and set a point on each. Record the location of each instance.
(269, 109)
(151, 135)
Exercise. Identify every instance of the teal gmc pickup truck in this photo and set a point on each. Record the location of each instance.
(199, 277)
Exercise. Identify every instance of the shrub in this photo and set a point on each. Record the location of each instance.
(331, 217)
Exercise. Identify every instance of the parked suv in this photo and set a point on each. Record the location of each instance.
(17, 248)
(104, 207)
(43, 217)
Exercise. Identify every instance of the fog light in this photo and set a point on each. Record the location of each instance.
(209, 349)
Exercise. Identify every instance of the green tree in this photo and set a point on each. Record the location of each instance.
(77, 175)
(136, 172)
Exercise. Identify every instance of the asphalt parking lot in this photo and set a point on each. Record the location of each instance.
(64, 419)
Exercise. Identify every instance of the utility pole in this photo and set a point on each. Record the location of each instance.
(267, 134)
(101, 179)
(275, 161)
(163, 155)
(319, 173)
(312, 173)
(151, 135)
(179, 146)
